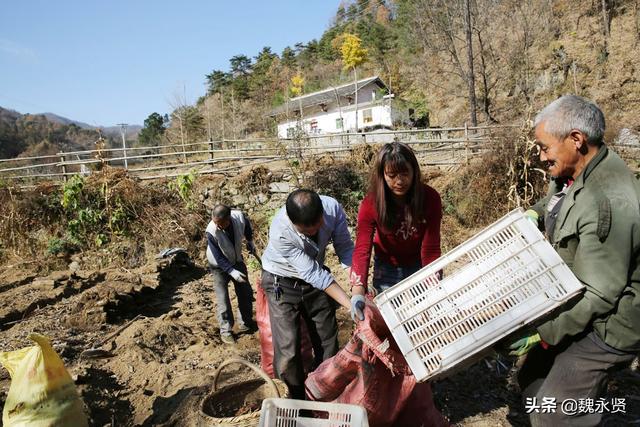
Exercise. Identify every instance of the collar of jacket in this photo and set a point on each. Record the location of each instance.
(570, 198)
(303, 237)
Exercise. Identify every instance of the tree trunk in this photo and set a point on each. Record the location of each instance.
(606, 27)
(339, 107)
(222, 106)
(184, 153)
(470, 76)
(355, 85)
(486, 102)
(606, 20)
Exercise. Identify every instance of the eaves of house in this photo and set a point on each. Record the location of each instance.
(325, 96)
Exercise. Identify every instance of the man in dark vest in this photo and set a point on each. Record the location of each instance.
(224, 253)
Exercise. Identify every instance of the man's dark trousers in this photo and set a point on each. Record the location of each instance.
(577, 369)
(244, 293)
(298, 300)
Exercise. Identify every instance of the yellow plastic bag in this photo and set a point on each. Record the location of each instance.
(42, 392)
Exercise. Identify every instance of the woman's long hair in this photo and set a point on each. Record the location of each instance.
(397, 157)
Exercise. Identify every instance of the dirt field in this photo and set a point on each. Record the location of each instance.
(156, 370)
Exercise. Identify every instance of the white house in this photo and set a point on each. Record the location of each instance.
(332, 110)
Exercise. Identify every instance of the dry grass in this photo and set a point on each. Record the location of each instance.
(506, 177)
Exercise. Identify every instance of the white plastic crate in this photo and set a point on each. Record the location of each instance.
(287, 413)
(499, 280)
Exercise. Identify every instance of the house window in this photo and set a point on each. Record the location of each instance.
(339, 123)
(291, 132)
(367, 117)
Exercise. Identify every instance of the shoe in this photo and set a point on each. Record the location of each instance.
(227, 338)
(247, 329)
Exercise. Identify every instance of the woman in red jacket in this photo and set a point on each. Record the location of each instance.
(399, 218)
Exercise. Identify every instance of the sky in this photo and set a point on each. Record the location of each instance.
(108, 62)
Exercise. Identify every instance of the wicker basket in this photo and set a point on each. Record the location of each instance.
(220, 406)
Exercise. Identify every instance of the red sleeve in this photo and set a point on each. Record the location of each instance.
(430, 249)
(365, 230)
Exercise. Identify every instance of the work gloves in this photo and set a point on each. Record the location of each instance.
(357, 307)
(523, 345)
(238, 276)
(532, 216)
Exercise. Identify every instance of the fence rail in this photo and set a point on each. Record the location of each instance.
(435, 146)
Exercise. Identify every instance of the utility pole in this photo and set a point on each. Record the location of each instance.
(123, 132)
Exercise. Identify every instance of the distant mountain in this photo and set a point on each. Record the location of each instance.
(114, 131)
(64, 121)
(37, 134)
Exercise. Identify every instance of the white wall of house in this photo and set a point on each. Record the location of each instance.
(371, 112)
(329, 122)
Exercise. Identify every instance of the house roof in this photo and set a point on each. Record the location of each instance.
(325, 96)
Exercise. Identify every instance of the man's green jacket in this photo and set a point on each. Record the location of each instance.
(597, 233)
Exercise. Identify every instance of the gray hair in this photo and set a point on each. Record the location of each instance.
(573, 112)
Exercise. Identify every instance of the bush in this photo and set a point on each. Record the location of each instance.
(509, 175)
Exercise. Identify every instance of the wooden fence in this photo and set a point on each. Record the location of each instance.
(442, 146)
(434, 146)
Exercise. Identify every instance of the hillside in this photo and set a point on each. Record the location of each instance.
(35, 134)
(524, 54)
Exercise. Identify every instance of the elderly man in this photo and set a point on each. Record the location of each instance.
(299, 286)
(591, 215)
(224, 253)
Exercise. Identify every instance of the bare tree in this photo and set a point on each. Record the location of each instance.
(178, 104)
(471, 80)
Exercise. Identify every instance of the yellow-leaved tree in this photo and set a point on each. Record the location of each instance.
(297, 83)
(353, 55)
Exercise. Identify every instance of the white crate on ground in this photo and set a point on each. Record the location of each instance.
(287, 413)
(499, 280)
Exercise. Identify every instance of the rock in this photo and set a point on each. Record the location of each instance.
(74, 266)
(628, 137)
(44, 283)
(59, 276)
(239, 199)
(280, 187)
(262, 198)
(174, 314)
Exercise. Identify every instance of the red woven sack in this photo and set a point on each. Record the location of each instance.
(266, 340)
(371, 372)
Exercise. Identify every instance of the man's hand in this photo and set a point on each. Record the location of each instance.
(357, 307)
(251, 247)
(523, 345)
(238, 276)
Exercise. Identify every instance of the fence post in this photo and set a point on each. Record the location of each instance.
(211, 153)
(466, 143)
(63, 166)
